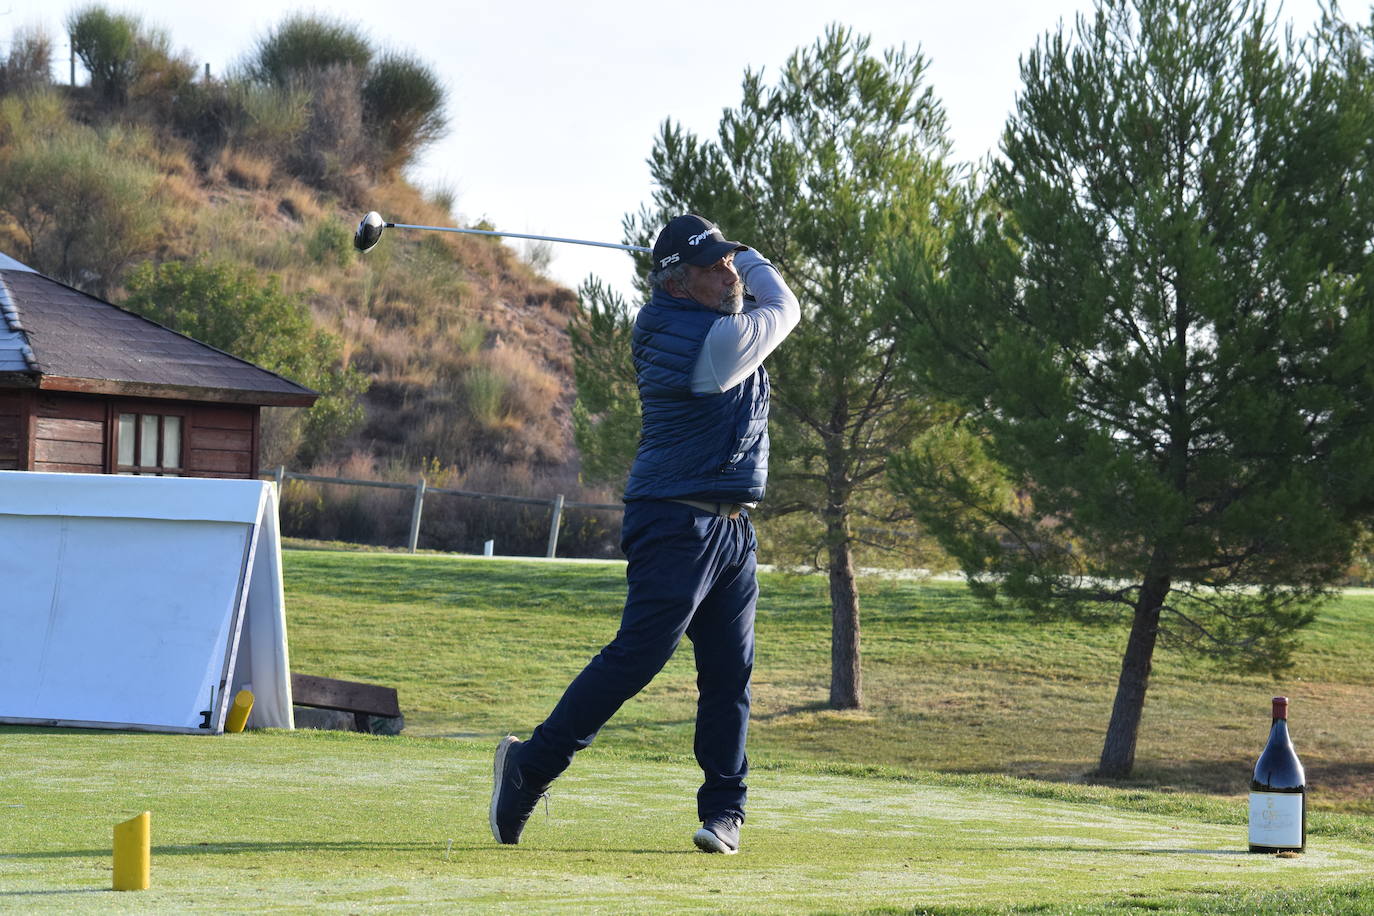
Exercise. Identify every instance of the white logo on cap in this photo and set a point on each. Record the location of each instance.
(672, 258)
(696, 240)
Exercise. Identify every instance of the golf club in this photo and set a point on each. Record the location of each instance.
(369, 233)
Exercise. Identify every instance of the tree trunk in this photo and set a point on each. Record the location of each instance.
(1118, 751)
(846, 674)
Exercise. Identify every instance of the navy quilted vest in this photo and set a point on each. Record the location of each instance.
(693, 446)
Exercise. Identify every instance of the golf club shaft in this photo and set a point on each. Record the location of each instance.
(518, 235)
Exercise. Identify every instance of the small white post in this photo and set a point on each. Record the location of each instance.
(488, 548)
(415, 511)
(553, 526)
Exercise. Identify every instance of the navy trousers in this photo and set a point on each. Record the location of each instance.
(689, 572)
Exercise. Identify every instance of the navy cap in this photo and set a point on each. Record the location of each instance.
(691, 239)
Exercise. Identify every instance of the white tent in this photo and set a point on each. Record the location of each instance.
(140, 602)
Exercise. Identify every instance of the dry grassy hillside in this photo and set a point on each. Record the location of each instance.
(463, 343)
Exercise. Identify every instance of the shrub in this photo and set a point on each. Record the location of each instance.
(32, 116)
(484, 394)
(330, 244)
(159, 75)
(270, 119)
(364, 115)
(282, 434)
(300, 204)
(229, 307)
(125, 59)
(310, 70)
(203, 113)
(403, 108)
(107, 44)
(266, 119)
(539, 256)
(365, 515)
(531, 394)
(86, 211)
(29, 64)
(444, 196)
(302, 506)
(333, 150)
(306, 42)
(244, 169)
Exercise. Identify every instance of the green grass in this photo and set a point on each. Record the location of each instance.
(318, 822)
(478, 648)
(919, 804)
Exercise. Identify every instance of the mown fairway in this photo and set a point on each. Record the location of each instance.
(914, 805)
(311, 822)
(482, 648)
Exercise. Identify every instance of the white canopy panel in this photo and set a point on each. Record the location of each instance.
(140, 602)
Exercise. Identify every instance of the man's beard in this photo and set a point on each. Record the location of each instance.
(732, 300)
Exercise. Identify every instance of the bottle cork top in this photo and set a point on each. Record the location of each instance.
(1280, 707)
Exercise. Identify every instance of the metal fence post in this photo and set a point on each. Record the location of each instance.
(415, 513)
(553, 526)
(280, 478)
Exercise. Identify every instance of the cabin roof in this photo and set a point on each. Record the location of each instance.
(55, 337)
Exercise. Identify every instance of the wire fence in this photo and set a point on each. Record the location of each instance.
(422, 490)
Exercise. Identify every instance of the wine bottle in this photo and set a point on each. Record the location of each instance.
(1278, 792)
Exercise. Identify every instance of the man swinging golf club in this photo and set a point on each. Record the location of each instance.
(702, 464)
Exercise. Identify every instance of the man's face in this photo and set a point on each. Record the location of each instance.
(718, 286)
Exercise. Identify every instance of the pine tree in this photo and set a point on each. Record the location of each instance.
(822, 173)
(1157, 316)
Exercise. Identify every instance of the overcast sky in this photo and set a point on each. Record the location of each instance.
(555, 105)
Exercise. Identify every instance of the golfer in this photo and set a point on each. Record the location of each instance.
(702, 464)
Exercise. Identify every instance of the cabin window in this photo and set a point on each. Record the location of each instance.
(149, 444)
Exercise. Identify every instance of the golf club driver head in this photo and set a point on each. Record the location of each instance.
(369, 231)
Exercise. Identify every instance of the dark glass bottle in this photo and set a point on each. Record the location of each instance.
(1278, 792)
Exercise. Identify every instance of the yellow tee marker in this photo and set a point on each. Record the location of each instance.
(238, 715)
(133, 853)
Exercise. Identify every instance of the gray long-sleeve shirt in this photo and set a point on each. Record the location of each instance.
(737, 344)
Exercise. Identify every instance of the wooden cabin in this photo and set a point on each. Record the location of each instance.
(87, 387)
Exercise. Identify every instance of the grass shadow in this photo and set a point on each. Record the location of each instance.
(796, 709)
(1352, 781)
(232, 848)
(1123, 850)
(55, 892)
(68, 731)
(338, 846)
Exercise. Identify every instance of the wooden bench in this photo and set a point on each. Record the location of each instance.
(367, 702)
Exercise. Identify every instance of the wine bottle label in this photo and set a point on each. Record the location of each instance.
(1276, 819)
